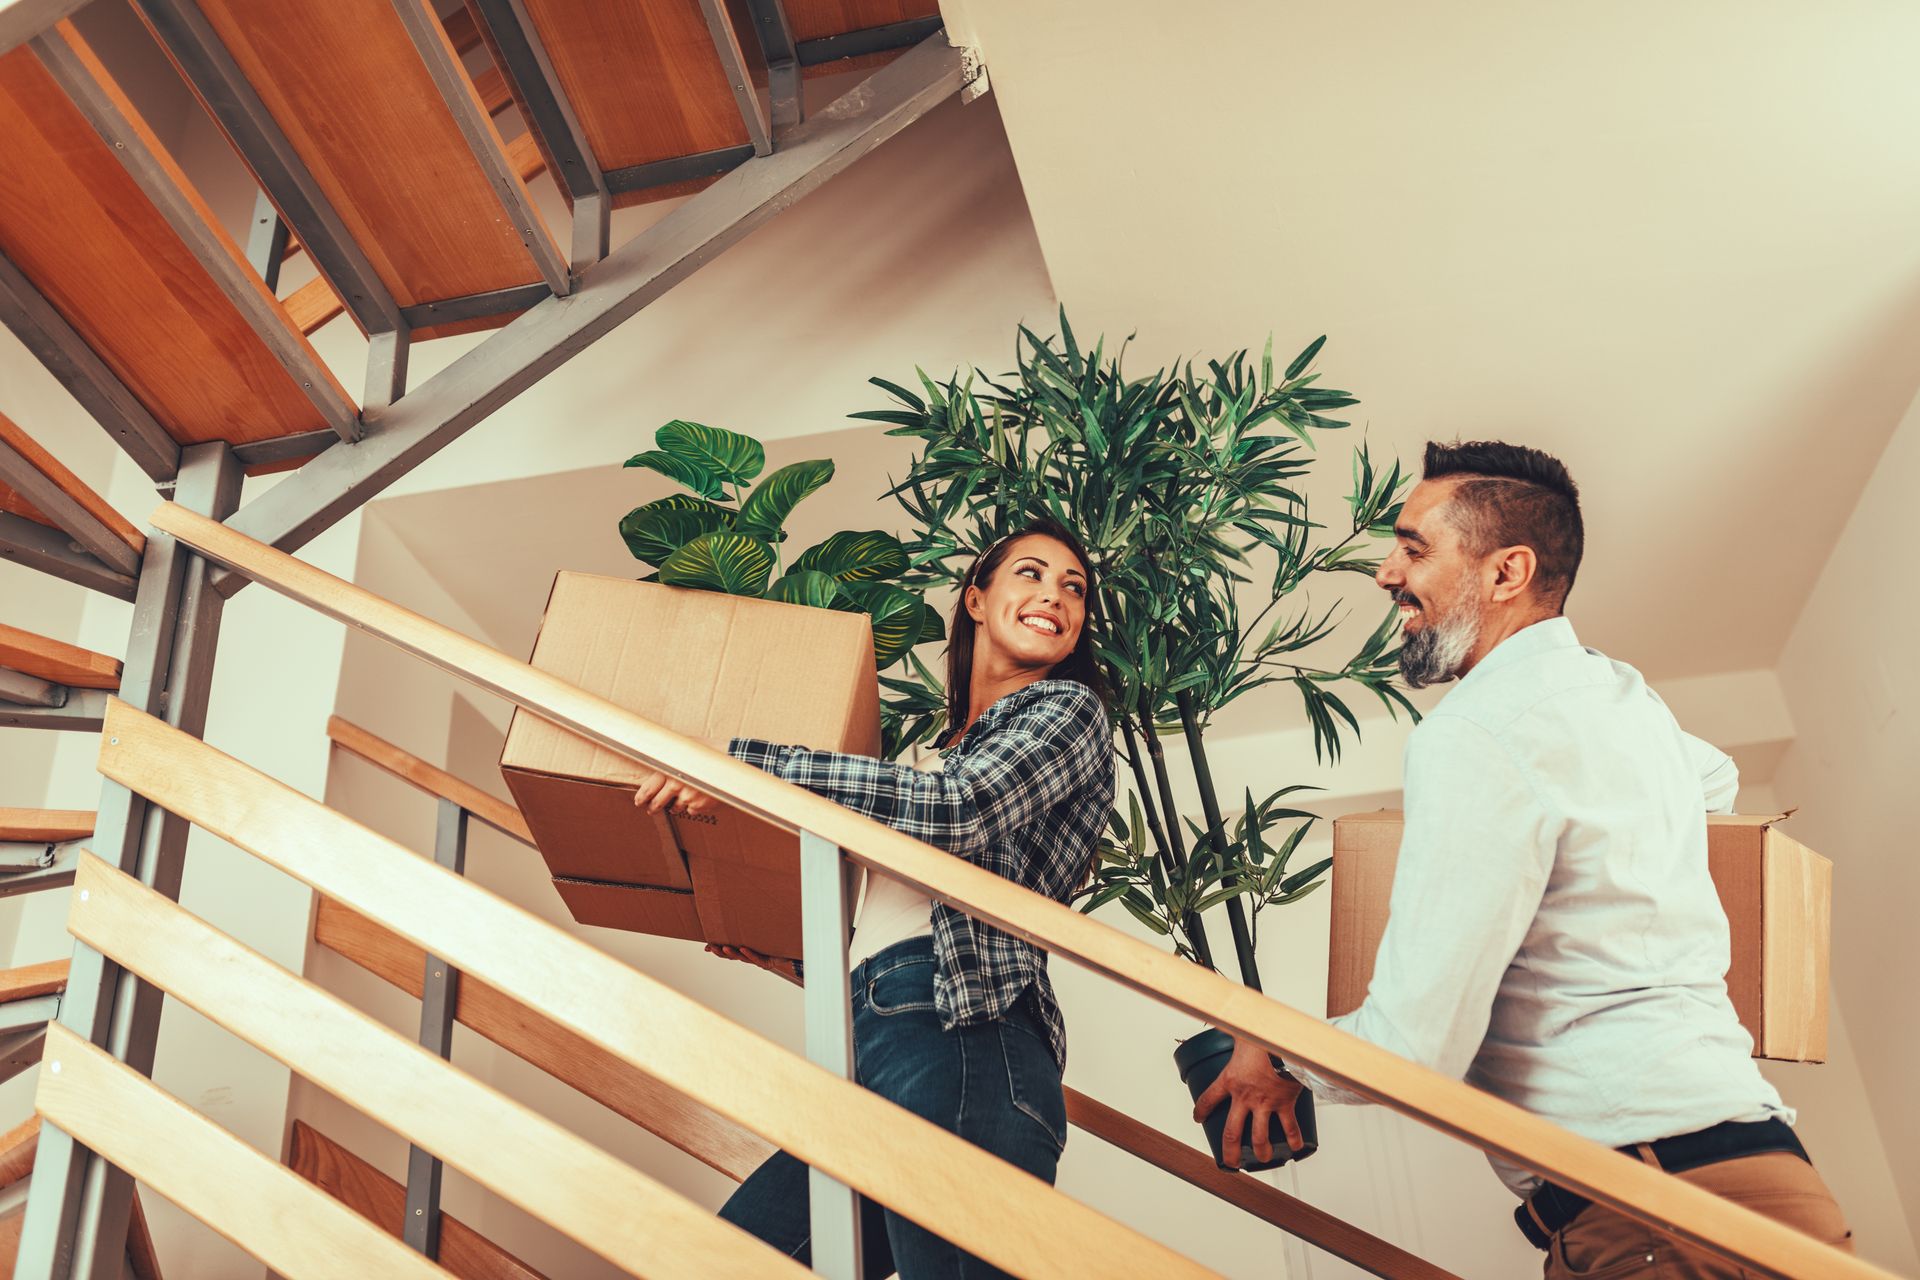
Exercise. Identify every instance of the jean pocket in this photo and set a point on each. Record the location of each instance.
(904, 988)
(1033, 1081)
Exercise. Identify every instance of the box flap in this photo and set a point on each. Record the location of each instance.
(1748, 819)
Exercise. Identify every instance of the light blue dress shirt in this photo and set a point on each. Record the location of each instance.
(1553, 935)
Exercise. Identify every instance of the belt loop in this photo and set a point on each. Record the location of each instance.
(1646, 1154)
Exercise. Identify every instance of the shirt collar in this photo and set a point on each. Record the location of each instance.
(1540, 637)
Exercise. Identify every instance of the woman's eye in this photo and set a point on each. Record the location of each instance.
(1077, 588)
(1029, 571)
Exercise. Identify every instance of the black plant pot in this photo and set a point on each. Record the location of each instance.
(1200, 1061)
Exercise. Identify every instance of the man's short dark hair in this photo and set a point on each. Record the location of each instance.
(1511, 496)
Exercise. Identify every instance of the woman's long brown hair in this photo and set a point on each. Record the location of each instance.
(1081, 665)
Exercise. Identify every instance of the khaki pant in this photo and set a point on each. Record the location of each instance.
(1603, 1245)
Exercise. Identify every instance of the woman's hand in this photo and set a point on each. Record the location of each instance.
(658, 792)
(784, 968)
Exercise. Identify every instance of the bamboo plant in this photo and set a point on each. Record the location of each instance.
(1186, 487)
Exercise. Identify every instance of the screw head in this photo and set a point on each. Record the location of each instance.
(54, 1066)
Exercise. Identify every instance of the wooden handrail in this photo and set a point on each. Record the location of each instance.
(374, 1196)
(1664, 1202)
(432, 779)
(936, 1178)
(299, 1231)
(606, 1205)
(724, 1145)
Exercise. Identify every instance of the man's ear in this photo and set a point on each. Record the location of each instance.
(1514, 570)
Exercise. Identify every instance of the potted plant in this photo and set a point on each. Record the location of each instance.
(723, 536)
(1184, 486)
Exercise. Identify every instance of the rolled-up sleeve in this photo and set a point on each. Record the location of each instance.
(1474, 859)
(1032, 761)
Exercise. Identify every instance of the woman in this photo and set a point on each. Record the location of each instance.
(953, 1019)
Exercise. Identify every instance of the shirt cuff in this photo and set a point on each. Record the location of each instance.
(758, 752)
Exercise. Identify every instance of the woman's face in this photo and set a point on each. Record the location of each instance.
(1031, 611)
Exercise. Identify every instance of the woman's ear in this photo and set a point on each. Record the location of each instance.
(976, 606)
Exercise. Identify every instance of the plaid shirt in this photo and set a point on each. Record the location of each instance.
(1024, 794)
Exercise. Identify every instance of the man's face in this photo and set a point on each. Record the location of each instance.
(1437, 585)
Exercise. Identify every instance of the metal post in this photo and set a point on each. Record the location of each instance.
(439, 997)
(783, 61)
(267, 242)
(824, 929)
(386, 367)
(78, 1208)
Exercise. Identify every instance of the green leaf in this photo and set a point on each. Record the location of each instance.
(805, 586)
(766, 509)
(657, 530)
(896, 614)
(1305, 358)
(732, 563)
(857, 557)
(725, 455)
(932, 627)
(684, 470)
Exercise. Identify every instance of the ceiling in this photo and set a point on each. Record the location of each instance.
(1675, 245)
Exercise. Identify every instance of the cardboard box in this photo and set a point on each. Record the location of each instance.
(713, 667)
(1777, 894)
(665, 913)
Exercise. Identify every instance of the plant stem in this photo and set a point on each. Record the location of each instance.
(1217, 832)
(1163, 848)
(1196, 931)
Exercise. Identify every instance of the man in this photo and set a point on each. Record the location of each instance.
(1553, 936)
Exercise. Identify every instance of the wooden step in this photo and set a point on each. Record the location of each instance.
(49, 466)
(56, 660)
(374, 1196)
(33, 826)
(78, 226)
(30, 980)
(346, 85)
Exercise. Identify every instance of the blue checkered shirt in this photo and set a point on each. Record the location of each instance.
(1024, 795)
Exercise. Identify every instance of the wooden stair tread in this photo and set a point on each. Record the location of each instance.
(382, 1201)
(56, 660)
(349, 90)
(29, 980)
(31, 826)
(49, 466)
(77, 225)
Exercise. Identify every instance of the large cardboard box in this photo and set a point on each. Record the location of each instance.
(1777, 894)
(709, 666)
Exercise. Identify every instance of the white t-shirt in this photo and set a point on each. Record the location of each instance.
(889, 911)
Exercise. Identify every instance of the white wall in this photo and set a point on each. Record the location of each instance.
(1856, 701)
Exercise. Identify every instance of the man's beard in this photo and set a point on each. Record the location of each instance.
(1434, 654)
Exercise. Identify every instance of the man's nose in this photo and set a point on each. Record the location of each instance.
(1388, 576)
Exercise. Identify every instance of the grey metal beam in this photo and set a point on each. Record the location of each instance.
(407, 433)
(386, 367)
(24, 1015)
(825, 926)
(77, 1212)
(733, 60)
(304, 444)
(783, 61)
(430, 41)
(22, 20)
(523, 60)
(20, 1050)
(439, 996)
(61, 507)
(854, 44)
(592, 225)
(659, 173)
(83, 711)
(267, 238)
(30, 691)
(57, 876)
(473, 306)
(288, 183)
(155, 180)
(55, 343)
(30, 543)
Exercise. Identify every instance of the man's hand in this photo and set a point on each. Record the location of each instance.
(657, 792)
(1255, 1090)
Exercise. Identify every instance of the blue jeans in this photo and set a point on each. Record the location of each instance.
(996, 1085)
